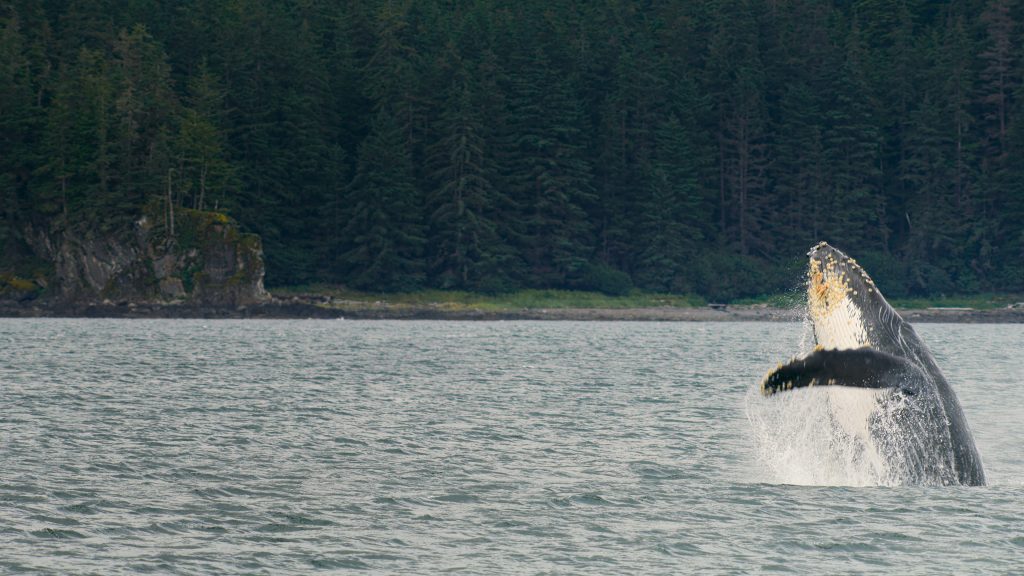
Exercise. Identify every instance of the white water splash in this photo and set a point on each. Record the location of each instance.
(799, 441)
(816, 436)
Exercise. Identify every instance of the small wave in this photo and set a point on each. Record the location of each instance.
(653, 471)
(58, 533)
(458, 498)
(338, 563)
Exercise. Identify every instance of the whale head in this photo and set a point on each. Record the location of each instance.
(843, 303)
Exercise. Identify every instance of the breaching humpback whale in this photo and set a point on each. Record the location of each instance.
(908, 413)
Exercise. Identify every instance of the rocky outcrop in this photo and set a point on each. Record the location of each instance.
(207, 262)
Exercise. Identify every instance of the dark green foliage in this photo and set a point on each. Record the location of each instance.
(799, 171)
(384, 224)
(852, 205)
(74, 184)
(694, 146)
(19, 123)
(673, 214)
(724, 275)
(546, 171)
(602, 278)
(203, 172)
(467, 250)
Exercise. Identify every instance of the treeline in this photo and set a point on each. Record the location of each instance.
(689, 146)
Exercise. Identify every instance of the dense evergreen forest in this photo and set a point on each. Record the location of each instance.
(686, 145)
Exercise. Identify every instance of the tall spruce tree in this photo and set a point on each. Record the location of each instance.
(852, 214)
(384, 231)
(932, 207)
(145, 109)
(673, 213)
(19, 124)
(548, 175)
(799, 170)
(631, 110)
(73, 186)
(466, 248)
(204, 174)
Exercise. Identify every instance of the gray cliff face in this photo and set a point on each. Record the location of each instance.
(208, 262)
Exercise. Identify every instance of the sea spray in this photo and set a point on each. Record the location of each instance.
(802, 438)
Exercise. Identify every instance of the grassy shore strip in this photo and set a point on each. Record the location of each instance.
(302, 308)
(321, 301)
(976, 301)
(334, 296)
(458, 300)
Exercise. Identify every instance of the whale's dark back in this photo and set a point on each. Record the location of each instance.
(949, 454)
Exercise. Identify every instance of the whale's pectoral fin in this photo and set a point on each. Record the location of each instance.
(859, 368)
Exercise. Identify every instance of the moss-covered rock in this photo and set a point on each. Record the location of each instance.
(18, 289)
(206, 261)
(225, 265)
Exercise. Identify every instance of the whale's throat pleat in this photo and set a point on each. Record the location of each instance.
(840, 326)
(838, 320)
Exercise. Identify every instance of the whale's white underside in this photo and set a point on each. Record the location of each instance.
(842, 327)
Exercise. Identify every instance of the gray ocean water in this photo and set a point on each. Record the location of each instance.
(231, 447)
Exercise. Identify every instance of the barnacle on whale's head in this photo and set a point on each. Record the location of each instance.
(836, 288)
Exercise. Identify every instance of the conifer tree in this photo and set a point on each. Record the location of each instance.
(276, 87)
(954, 67)
(75, 183)
(745, 162)
(204, 172)
(384, 233)
(998, 75)
(672, 214)
(19, 123)
(852, 211)
(932, 206)
(144, 111)
(631, 111)
(548, 174)
(798, 170)
(466, 247)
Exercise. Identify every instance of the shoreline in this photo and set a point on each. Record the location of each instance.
(297, 309)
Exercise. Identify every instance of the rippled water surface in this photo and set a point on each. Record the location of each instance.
(215, 447)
